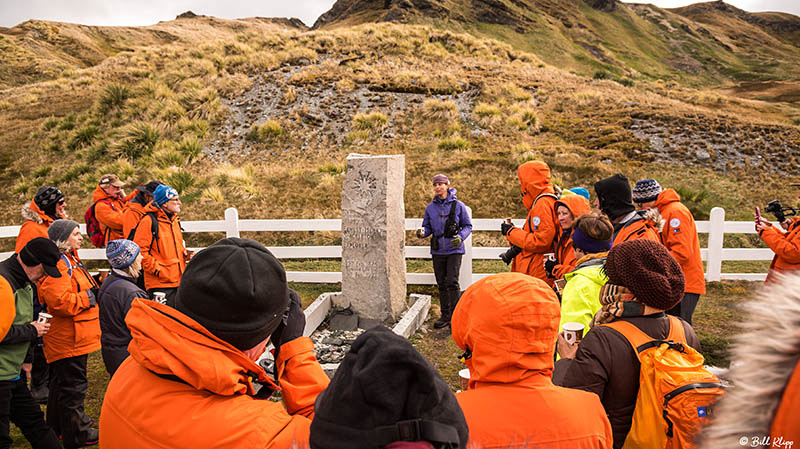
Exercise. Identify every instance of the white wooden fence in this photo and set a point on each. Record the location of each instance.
(232, 226)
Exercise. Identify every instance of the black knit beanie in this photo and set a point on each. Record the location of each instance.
(380, 388)
(614, 196)
(47, 198)
(648, 270)
(236, 289)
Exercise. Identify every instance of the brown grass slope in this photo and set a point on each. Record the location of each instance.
(263, 120)
(705, 44)
(38, 50)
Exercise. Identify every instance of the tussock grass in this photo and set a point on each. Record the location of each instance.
(375, 120)
(435, 109)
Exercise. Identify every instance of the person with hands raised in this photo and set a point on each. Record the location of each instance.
(785, 245)
(448, 222)
(192, 369)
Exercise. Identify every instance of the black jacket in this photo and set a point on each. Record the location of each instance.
(12, 271)
(115, 298)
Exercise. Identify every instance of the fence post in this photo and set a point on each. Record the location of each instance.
(716, 238)
(231, 222)
(465, 274)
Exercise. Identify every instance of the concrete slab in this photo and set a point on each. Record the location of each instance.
(415, 315)
(317, 312)
(343, 322)
(367, 323)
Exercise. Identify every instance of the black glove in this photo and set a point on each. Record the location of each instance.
(549, 266)
(505, 228)
(455, 242)
(291, 326)
(509, 255)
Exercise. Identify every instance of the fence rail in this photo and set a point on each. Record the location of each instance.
(716, 228)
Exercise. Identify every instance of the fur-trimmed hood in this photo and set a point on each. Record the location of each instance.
(655, 217)
(765, 355)
(31, 212)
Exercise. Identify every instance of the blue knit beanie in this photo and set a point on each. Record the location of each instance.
(581, 191)
(646, 190)
(121, 253)
(163, 194)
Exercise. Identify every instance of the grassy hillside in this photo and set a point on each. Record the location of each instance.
(707, 44)
(262, 120)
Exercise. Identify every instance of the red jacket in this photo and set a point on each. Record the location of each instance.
(208, 403)
(163, 261)
(509, 323)
(680, 237)
(35, 225)
(538, 234)
(108, 212)
(786, 247)
(565, 254)
(75, 327)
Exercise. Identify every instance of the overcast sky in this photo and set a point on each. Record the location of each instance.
(147, 12)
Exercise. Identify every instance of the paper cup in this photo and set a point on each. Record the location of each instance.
(44, 317)
(464, 376)
(573, 332)
(160, 297)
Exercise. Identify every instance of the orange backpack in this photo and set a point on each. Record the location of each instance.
(675, 391)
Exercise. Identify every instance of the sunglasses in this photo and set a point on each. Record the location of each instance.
(62, 202)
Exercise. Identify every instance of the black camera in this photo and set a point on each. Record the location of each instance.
(509, 255)
(780, 212)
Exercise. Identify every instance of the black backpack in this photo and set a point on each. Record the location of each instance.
(153, 228)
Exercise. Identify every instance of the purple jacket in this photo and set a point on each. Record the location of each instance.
(435, 217)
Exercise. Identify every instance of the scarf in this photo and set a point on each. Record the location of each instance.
(617, 301)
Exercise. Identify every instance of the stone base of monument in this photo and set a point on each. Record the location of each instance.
(334, 327)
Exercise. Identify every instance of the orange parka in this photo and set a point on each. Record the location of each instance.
(131, 217)
(75, 327)
(35, 225)
(679, 235)
(786, 247)
(538, 235)
(184, 388)
(163, 260)
(649, 227)
(8, 307)
(108, 212)
(509, 323)
(565, 254)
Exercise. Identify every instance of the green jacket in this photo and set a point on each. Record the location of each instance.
(580, 299)
(15, 344)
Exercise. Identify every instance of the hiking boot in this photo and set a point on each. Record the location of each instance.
(440, 323)
(92, 437)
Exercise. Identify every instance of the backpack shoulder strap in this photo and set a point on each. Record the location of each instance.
(676, 332)
(452, 214)
(153, 225)
(633, 334)
(69, 264)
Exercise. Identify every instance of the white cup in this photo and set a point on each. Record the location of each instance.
(44, 317)
(160, 297)
(464, 376)
(573, 332)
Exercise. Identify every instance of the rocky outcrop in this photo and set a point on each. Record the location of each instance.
(602, 5)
